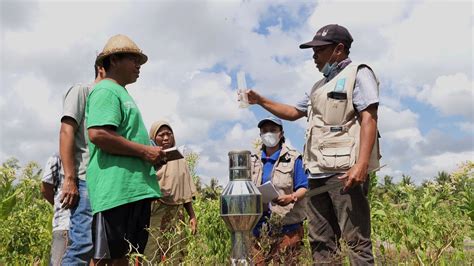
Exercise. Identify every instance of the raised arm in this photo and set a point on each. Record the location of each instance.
(281, 110)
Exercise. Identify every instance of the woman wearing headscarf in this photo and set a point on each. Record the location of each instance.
(178, 191)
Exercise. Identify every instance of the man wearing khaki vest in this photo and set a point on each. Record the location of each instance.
(341, 146)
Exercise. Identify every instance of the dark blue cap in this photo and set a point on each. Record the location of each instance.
(330, 34)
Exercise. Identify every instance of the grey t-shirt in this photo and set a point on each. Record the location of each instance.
(74, 105)
(53, 176)
(365, 94)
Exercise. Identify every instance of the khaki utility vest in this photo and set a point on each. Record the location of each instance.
(282, 179)
(333, 133)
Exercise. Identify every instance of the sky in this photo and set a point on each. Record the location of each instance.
(421, 52)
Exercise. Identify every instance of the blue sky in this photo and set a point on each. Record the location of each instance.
(421, 52)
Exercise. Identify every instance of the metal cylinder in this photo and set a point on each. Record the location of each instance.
(239, 165)
(241, 206)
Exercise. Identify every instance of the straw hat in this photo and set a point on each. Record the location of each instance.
(120, 44)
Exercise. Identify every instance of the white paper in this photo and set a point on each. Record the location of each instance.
(268, 191)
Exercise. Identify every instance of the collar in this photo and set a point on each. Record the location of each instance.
(274, 157)
(340, 66)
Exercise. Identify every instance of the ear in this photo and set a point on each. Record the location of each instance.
(339, 49)
(102, 72)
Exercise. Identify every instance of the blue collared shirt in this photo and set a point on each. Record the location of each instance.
(300, 179)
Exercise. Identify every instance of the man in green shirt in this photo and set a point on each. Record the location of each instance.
(120, 175)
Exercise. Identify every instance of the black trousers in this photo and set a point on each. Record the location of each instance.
(335, 215)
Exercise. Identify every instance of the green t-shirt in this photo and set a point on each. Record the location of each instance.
(114, 180)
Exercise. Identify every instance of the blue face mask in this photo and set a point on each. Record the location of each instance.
(328, 68)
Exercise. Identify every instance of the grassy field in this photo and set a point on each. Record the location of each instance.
(427, 224)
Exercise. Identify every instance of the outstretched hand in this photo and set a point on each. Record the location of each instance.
(254, 97)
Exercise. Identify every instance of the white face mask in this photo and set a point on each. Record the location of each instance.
(270, 139)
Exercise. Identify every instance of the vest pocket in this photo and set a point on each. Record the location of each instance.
(334, 111)
(335, 154)
(283, 179)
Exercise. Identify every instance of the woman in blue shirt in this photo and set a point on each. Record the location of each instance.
(283, 167)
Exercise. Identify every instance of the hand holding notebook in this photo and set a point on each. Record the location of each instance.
(268, 191)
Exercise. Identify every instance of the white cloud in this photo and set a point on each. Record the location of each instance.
(405, 42)
(467, 127)
(429, 166)
(433, 39)
(364, 20)
(213, 153)
(400, 139)
(34, 93)
(406, 150)
(381, 13)
(391, 120)
(59, 26)
(17, 15)
(48, 46)
(194, 107)
(451, 95)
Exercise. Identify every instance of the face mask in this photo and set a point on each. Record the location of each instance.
(270, 139)
(328, 68)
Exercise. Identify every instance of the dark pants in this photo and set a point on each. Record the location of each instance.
(116, 230)
(335, 215)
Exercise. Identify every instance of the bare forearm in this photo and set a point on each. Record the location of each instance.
(281, 110)
(189, 209)
(368, 132)
(66, 152)
(48, 192)
(300, 193)
(111, 142)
